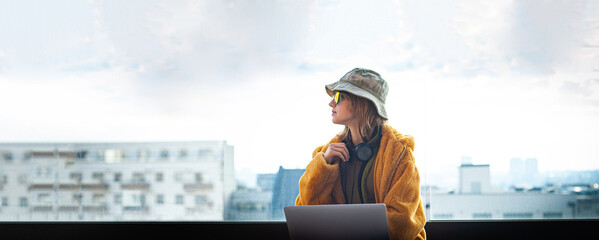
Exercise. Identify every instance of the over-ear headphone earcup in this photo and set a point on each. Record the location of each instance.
(363, 152)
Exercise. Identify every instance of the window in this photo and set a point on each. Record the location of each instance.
(98, 177)
(143, 154)
(205, 153)
(201, 200)
(118, 176)
(100, 156)
(75, 177)
(118, 199)
(7, 156)
(77, 198)
(27, 156)
(481, 215)
(44, 199)
(164, 155)
(517, 215)
(114, 155)
(22, 179)
(23, 202)
(81, 155)
(43, 172)
(443, 215)
(138, 177)
(552, 215)
(223, 103)
(476, 187)
(99, 198)
(4, 201)
(178, 177)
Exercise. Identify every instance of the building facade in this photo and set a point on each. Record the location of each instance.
(476, 200)
(502, 206)
(474, 178)
(116, 181)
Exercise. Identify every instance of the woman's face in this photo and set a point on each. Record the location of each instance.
(341, 111)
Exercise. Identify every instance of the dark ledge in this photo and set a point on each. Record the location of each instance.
(500, 229)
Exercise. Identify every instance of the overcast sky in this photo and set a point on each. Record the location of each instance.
(490, 80)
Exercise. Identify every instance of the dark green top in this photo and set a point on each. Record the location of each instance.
(357, 177)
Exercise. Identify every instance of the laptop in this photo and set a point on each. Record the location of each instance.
(337, 221)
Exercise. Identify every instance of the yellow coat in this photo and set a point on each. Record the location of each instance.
(396, 184)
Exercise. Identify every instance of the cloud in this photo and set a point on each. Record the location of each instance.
(574, 88)
(205, 41)
(545, 37)
(503, 39)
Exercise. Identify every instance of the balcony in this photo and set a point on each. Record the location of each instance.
(201, 208)
(68, 208)
(136, 209)
(95, 186)
(95, 208)
(40, 186)
(192, 187)
(136, 186)
(42, 208)
(68, 186)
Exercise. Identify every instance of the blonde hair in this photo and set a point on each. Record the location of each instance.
(368, 117)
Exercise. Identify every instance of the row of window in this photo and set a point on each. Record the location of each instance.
(505, 215)
(100, 177)
(108, 154)
(140, 199)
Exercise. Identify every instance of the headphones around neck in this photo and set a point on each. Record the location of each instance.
(364, 151)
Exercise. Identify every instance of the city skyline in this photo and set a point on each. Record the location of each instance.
(195, 181)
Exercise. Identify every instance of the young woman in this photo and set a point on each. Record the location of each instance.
(369, 161)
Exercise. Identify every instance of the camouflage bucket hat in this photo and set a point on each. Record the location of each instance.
(364, 83)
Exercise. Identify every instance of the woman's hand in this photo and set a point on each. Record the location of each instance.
(336, 151)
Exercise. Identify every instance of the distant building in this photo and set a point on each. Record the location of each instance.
(116, 180)
(474, 200)
(266, 181)
(524, 173)
(531, 172)
(274, 192)
(516, 171)
(253, 204)
(285, 191)
(248, 205)
(474, 179)
(466, 160)
(502, 206)
(531, 167)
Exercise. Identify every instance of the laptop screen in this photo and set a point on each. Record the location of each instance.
(337, 221)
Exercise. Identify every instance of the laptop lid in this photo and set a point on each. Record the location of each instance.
(337, 221)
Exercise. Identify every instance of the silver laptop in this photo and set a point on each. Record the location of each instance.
(337, 221)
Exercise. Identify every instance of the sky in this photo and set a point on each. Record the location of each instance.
(489, 80)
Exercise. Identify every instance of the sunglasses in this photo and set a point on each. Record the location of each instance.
(337, 97)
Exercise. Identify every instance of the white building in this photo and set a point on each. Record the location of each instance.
(475, 200)
(116, 181)
(502, 206)
(474, 179)
(524, 173)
